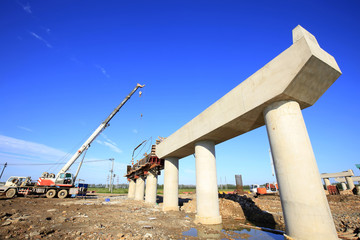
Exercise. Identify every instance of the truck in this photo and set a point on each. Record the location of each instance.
(269, 188)
(254, 187)
(61, 184)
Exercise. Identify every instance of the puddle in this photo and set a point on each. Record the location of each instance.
(241, 233)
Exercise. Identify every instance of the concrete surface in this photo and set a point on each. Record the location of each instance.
(139, 189)
(171, 185)
(303, 72)
(207, 201)
(342, 179)
(350, 182)
(131, 190)
(347, 173)
(327, 182)
(151, 187)
(307, 216)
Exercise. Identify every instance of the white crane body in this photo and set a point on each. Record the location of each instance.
(63, 182)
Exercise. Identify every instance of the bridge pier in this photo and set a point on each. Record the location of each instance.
(131, 190)
(307, 216)
(151, 187)
(171, 184)
(327, 183)
(207, 200)
(140, 188)
(350, 182)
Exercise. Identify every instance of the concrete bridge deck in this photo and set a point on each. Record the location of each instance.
(303, 72)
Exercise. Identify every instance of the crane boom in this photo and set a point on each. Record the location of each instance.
(96, 133)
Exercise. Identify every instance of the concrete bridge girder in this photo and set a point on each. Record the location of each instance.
(342, 179)
(274, 96)
(347, 178)
(302, 73)
(348, 173)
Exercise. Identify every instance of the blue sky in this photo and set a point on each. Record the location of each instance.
(65, 65)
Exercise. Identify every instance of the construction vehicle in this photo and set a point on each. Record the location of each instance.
(63, 183)
(269, 188)
(254, 187)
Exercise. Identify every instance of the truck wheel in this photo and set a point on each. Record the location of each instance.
(10, 193)
(62, 193)
(51, 193)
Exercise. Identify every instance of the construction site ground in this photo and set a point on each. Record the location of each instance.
(106, 216)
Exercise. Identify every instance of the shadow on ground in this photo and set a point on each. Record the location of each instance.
(252, 212)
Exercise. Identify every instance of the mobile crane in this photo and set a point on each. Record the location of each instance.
(63, 183)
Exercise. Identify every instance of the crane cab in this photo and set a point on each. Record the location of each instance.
(65, 179)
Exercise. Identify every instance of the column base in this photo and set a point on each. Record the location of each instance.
(174, 208)
(208, 220)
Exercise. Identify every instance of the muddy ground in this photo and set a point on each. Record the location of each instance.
(102, 216)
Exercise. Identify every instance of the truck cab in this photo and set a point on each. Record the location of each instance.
(254, 187)
(13, 184)
(65, 179)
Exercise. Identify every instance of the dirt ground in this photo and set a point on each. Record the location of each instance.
(114, 217)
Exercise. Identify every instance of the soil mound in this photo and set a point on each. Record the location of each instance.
(228, 208)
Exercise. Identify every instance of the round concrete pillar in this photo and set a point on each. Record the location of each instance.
(327, 182)
(151, 188)
(207, 200)
(139, 189)
(306, 211)
(350, 182)
(171, 185)
(343, 185)
(131, 191)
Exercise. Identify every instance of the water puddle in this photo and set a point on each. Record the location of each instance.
(217, 232)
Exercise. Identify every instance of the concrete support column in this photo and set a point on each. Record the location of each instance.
(343, 185)
(207, 200)
(327, 183)
(171, 184)
(307, 216)
(350, 182)
(139, 189)
(151, 187)
(131, 191)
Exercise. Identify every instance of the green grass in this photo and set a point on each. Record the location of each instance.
(159, 191)
(106, 190)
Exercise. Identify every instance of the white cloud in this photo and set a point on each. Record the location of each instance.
(108, 139)
(41, 39)
(112, 146)
(16, 149)
(102, 70)
(26, 8)
(25, 128)
(135, 131)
